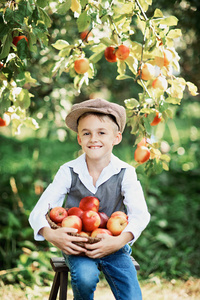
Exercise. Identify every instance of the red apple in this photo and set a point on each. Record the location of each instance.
(104, 219)
(16, 39)
(57, 214)
(109, 54)
(117, 224)
(156, 119)
(122, 52)
(81, 65)
(89, 203)
(5, 120)
(72, 222)
(75, 211)
(119, 213)
(160, 83)
(147, 71)
(142, 154)
(83, 233)
(100, 231)
(91, 220)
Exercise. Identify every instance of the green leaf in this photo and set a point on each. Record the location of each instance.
(83, 21)
(7, 40)
(123, 77)
(42, 3)
(64, 7)
(132, 64)
(170, 21)
(23, 99)
(45, 17)
(22, 49)
(60, 44)
(166, 239)
(31, 123)
(96, 57)
(192, 88)
(158, 13)
(131, 103)
(174, 33)
(121, 67)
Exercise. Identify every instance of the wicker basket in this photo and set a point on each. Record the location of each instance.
(90, 240)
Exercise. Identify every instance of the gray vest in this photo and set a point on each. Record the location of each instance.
(108, 193)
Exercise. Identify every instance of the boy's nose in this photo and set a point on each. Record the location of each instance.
(93, 137)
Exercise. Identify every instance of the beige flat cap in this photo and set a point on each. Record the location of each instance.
(96, 105)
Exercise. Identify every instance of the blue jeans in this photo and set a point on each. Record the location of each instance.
(118, 269)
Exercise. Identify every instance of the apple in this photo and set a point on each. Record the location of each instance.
(159, 61)
(104, 219)
(147, 71)
(57, 214)
(16, 39)
(100, 231)
(142, 154)
(85, 35)
(75, 211)
(160, 83)
(5, 120)
(109, 54)
(122, 52)
(119, 213)
(143, 142)
(156, 119)
(81, 65)
(72, 222)
(91, 220)
(89, 203)
(168, 57)
(116, 224)
(1, 65)
(83, 233)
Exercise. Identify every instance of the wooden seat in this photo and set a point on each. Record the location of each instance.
(61, 277)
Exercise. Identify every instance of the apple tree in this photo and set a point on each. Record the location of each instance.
(106, 30)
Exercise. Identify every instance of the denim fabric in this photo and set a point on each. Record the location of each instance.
(118, 269)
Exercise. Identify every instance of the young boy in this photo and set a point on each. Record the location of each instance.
(98, 173)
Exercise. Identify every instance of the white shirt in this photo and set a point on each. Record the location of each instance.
(54, 195)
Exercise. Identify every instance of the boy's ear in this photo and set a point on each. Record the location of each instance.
(118, 138)
(79, 140)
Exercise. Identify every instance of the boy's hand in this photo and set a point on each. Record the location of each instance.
(64, 241)
(107, 245)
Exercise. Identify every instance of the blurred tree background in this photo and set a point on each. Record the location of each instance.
(169, 246)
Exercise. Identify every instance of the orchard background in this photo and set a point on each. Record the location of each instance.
(38, 85)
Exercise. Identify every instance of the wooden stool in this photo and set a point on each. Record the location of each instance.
(61, 277)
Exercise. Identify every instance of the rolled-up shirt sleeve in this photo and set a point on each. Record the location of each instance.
(53, 196)
(138, 215)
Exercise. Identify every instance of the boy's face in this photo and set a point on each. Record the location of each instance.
(97, 137)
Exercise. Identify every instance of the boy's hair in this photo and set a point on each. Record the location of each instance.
(101, 116)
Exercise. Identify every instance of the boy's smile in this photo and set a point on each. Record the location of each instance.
(97, 137)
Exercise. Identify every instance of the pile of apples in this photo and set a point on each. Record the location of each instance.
(88, 220)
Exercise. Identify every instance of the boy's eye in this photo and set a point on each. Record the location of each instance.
(86, 133)
(101, 132)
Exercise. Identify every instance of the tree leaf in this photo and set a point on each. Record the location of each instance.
(121, 67)
(174, 33)
(60, 44)
(45, 17)
(7, 40)
(131, 103)
(192, 88)
(64, 7)
(83, 21)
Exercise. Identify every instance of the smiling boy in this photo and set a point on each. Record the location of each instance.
(99, 125)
